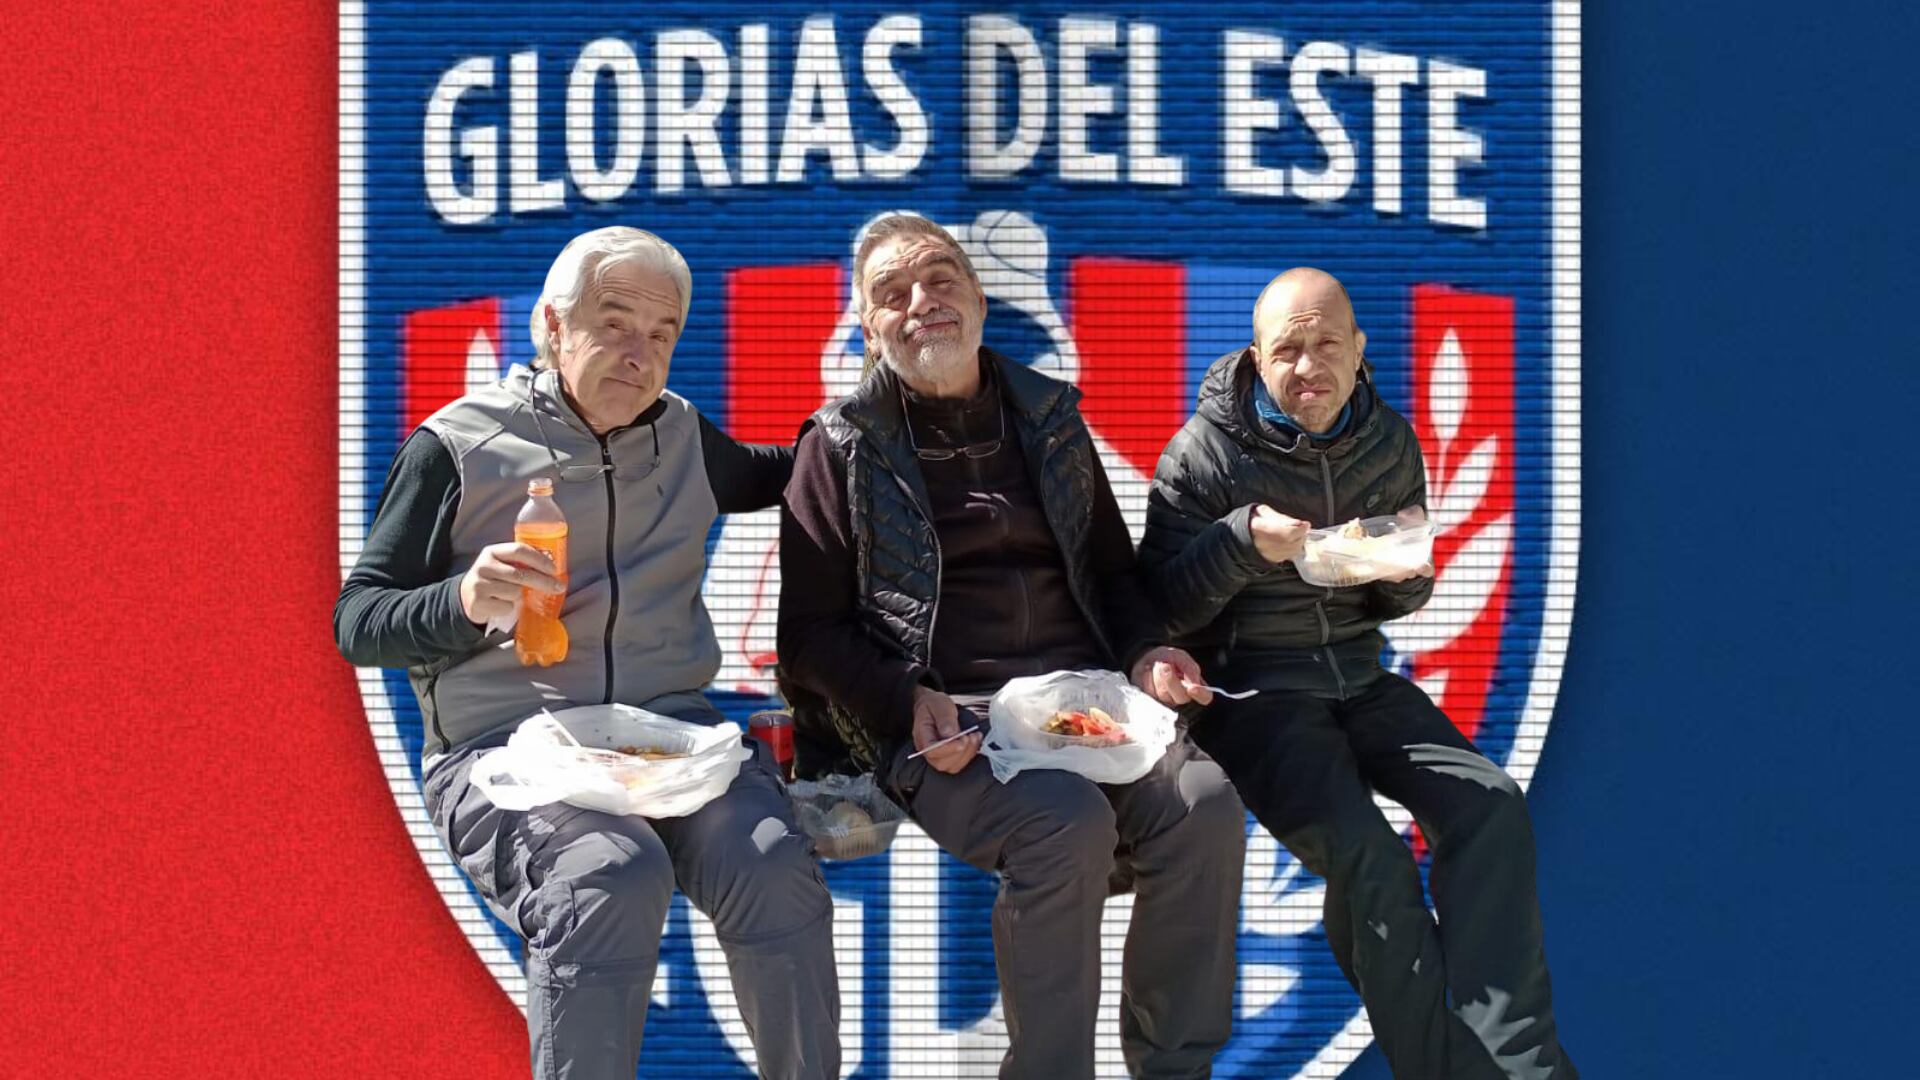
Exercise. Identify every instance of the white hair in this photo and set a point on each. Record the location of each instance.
(587, 259)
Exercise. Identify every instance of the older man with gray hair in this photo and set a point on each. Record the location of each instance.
(640, 476)
(949, 527)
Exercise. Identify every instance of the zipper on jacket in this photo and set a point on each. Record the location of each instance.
(1333, 664)
(613, 576)
(1326, 477)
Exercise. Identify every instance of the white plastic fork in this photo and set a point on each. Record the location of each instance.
(1228, 694)
(951, 738)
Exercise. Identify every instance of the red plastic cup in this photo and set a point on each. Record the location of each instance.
(776, 730)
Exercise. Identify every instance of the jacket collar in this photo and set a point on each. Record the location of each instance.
(542, 389)
(1226, 400)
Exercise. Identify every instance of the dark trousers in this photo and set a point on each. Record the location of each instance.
(1056, 840)
(1469, 997)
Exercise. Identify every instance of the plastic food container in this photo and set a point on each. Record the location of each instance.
(1336, 558)
(846, 816)
(575, 756)
(638, 772)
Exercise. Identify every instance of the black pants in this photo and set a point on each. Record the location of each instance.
(1307, 766)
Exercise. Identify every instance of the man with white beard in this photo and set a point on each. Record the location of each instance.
(959, 491)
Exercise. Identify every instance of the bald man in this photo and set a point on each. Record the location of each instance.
(1290, 434)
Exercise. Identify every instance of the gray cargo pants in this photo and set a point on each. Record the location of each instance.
(1055, 839)
(589, 892)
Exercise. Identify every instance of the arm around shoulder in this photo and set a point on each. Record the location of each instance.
(744, 476)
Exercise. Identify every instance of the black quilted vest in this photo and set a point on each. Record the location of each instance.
(896, 552)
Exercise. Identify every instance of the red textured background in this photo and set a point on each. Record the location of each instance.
(203, 870)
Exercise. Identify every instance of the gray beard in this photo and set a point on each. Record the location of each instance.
(934, 362)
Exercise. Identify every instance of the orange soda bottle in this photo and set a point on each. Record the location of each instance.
(538, 635)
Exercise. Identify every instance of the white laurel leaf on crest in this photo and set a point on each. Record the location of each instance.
(1460, 593)
(1450, 507)
(1464, 586)
(1447, 389)
(483, 364)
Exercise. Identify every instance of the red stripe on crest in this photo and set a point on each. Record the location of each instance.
(1129, 321)
(778, 320)
(1455, 416)
(434, 345)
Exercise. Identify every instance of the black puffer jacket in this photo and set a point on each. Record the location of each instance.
(1238, 613)
(848, 664)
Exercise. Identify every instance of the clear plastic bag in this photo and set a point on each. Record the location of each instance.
(579, 756)
(847, 816)
(1019, 740)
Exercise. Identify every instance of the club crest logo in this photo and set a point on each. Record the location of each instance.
(1124, 188)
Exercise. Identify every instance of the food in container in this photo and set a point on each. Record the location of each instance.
(847, 817)
(1093, 727)
(1365, 550)
(650, 753)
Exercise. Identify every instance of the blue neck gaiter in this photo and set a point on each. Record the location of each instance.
(1271, 412)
